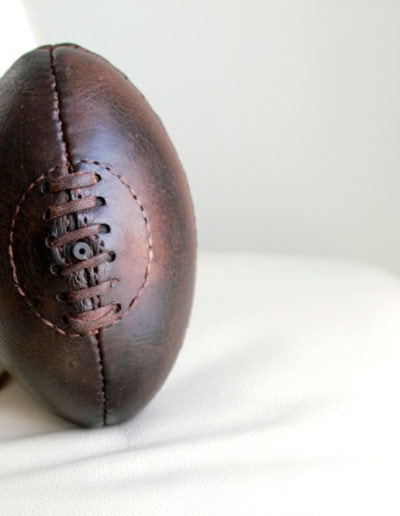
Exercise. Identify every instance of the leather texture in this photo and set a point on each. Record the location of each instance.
(98, 248)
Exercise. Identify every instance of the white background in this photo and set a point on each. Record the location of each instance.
(286, 113)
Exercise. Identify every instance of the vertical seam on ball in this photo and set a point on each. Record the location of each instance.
(66, 162)
(99, 345)
(57, 110)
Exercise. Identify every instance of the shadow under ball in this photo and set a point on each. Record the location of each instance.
(98, 242)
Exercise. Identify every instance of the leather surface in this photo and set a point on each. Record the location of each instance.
(67, 113)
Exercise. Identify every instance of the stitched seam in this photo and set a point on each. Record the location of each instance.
(11, 237)
(57, 108)
(57, 111)
(11, 247)
(134, 300)
(63, 141)
(99, 345)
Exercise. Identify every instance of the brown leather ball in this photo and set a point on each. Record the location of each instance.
(98, 243)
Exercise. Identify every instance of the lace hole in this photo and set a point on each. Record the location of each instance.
(46, 215)
(112, 256)
(44, 188)
(61, 297)
(48, 242)
(55, 269)
(104, 228)
(117, 308)
(100, 201)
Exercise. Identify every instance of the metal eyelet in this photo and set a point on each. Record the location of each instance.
(82, 251)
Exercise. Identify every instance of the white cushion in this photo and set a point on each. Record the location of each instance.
(283, 401)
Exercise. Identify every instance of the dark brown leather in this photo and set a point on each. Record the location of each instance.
(97, 252)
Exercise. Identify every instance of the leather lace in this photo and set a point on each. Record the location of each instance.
(91, 320)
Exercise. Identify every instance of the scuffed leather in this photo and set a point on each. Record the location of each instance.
(108, 128)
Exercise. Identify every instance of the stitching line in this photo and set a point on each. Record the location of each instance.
(102, 376)
(11, 247)
(57, 111)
